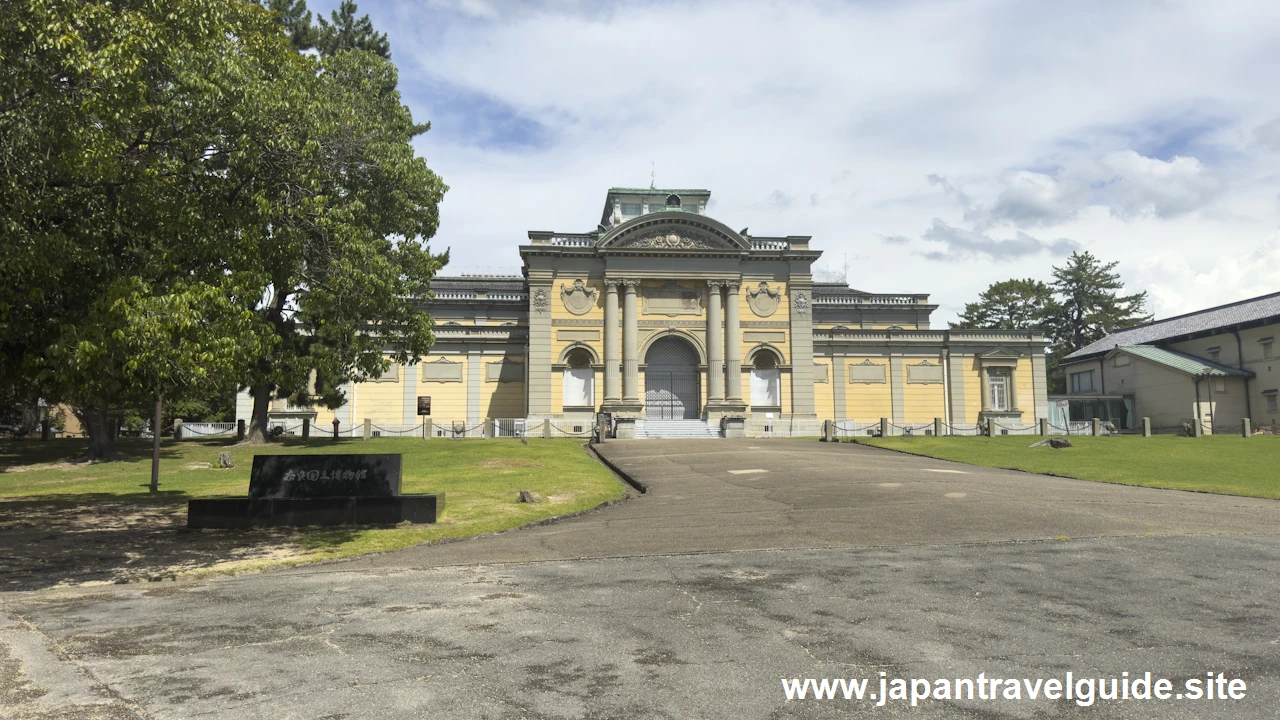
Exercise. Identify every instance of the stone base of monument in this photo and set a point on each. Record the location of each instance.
(241, 512)
(318, 490)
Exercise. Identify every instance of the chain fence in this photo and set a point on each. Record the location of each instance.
(782, 427)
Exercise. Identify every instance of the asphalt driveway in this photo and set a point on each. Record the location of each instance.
(749, 562)
(730, 495)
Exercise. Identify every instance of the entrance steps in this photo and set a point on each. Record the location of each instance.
(677, 429)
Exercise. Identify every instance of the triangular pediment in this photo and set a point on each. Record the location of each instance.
(1000, 353)
(668, 231)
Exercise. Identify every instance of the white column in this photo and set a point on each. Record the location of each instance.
(612, 391)
(715, 344)
(630, 342)
(732, 344)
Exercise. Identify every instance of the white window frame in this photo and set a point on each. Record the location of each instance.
(998, 390)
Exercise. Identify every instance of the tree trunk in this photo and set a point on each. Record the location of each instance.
(99, 430)
(257, 432)
(155, 446)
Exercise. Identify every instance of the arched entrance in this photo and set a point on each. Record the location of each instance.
(671, 383)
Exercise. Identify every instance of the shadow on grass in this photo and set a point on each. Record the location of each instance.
(20, 453)
(111, 538)
(326, 540)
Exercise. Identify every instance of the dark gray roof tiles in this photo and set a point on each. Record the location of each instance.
(1223, 316)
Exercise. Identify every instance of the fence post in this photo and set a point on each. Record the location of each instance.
(1097, 427)
(937, 427)
(1245, 429)
(177, 428)
(828, 431)
(306, 429)
(546, 428)
(1197, 427)
(240, 430)
(884, 427)
(1044, 427)
(426, 428)
(46, 429)
(485, 430)
(335, 428)
(1146, 427)
(368, 428)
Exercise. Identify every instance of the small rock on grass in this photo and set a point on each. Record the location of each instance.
(527, 496)
(225, 461)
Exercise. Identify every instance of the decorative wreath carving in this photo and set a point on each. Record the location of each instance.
(763, 300)
(801, 302)
(541, 300)
(579, 299)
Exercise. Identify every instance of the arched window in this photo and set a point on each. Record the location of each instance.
(766, 380)
(579, 380)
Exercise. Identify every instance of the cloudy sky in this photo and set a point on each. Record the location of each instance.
(932, 146)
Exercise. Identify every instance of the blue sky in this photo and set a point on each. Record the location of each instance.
(933, 146)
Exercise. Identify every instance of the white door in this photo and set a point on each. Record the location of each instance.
(766, 387)
(579, 387)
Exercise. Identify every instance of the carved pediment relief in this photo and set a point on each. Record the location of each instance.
(578, 299)
(670, 239)
(763, 300)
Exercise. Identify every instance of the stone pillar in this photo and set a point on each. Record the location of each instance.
(802, 400)
(1097, 427)
(715, 344)
(630, 344)
(46, 429)
(336, 424)
(426, 428)
(986, 391)
(1245, 429)
(368, 428)
(612, 380)
(177, 428)
(829, 430)
(732, 343)
(1146, 427)
(937, 427)
(1044, 427)
(540, 358)
(884, 427)
(240, 430)
(306, 429)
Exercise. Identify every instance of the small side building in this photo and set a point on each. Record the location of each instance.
(1216, 366)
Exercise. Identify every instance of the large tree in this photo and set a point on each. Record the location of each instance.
(1091, 305)
(346, 257)
(1009, 305)
(126, 128)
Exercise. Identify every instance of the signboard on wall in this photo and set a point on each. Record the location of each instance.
(424, 404)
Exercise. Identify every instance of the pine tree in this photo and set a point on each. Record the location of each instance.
(296, 18)
(1091, 307)
(347, 32)
(1010, 305)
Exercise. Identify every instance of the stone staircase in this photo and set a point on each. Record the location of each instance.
(677, 429)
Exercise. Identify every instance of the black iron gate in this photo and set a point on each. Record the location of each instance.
(670, 394)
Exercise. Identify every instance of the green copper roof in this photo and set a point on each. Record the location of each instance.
(1181, 361)
(656, 191)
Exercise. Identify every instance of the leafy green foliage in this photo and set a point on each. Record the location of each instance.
(187, 203)
(296, 19)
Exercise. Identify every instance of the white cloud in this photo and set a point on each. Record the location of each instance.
(1126, 183)
(1131, 128)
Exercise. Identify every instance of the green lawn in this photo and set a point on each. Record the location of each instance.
(481, 480)
(1229, 465)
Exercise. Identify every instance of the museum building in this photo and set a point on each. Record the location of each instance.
(677, 325)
